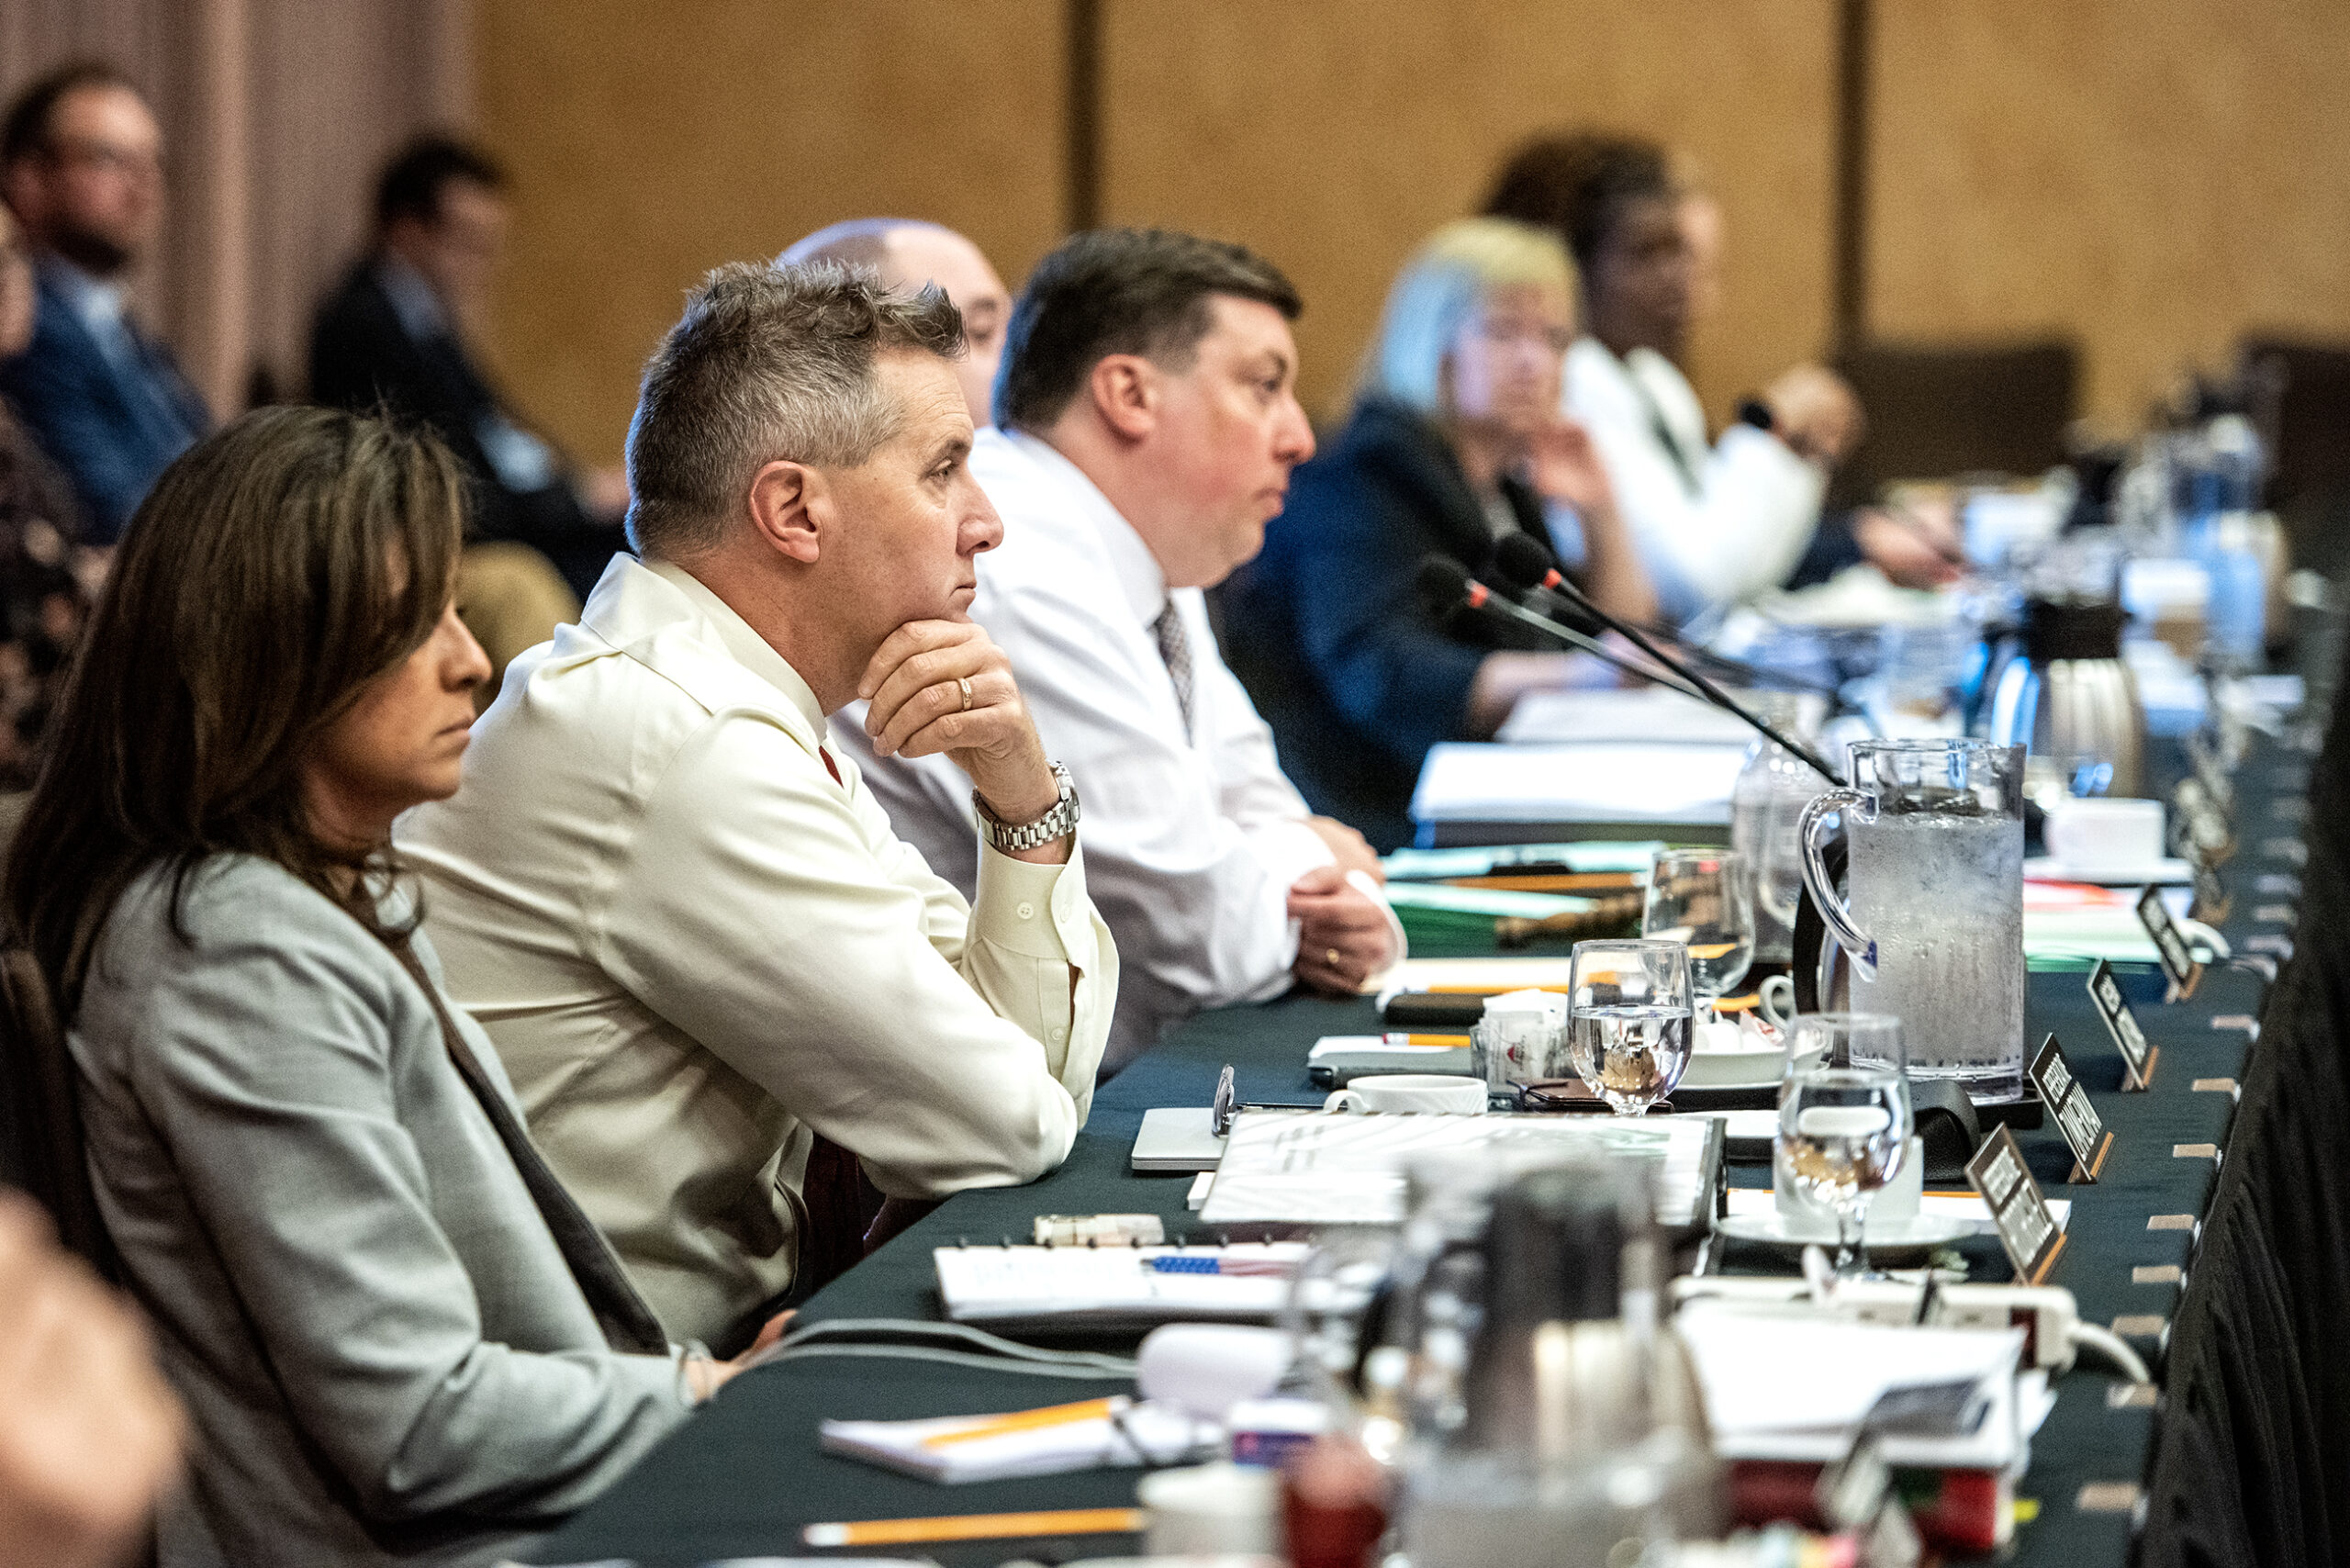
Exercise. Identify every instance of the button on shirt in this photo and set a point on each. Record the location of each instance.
(694, 948)
(1192, 835)
(1714, 525)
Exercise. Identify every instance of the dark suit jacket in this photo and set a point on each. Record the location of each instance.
(1327, 630)
(112, 431)
(361, 358)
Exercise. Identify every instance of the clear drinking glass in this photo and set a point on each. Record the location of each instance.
(1629, 1033)
(1703, 899)
(1844, 1117)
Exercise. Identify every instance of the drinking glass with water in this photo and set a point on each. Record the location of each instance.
(1844, 1117)
(1629, 1023)
(1703, 899)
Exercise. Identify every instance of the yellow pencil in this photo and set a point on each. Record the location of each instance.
(976, 1527)
(1028, 1421)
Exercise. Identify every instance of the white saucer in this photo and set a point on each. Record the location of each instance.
(2048, 868)
(1735, 1070)
(1923, 1233)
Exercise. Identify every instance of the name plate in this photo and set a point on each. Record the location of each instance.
(2084, 1129)
(2170, 944)
(2027, 1230)
(2211, 902)
(2137, 1055)
(2211, 771)
(2201, 828)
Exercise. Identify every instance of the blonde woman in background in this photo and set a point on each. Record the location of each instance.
(1455, 441)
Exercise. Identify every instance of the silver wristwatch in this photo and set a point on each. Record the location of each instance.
(1058, 822)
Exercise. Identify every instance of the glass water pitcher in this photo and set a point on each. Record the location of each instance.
(1934, 929)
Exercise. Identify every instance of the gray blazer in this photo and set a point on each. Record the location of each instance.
(384, 1356)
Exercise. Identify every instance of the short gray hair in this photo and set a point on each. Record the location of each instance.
(769, 363)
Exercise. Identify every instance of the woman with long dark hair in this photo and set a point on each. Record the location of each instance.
(397, 1337)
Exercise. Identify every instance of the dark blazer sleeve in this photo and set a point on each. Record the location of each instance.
(1356, 542)
(74, 413)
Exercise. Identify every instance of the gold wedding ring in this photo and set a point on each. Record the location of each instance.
(1330, 957)
(965, 682)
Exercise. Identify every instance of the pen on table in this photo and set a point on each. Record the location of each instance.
(1031, 1420)
(976, 1527)
(1430, 1042)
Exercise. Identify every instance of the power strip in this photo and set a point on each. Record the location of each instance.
(2047, 1314)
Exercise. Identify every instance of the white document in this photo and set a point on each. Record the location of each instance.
(1113, 1287)
(1647, 714)
(1794, 1384)
(1608, 782)
(1310, 1168)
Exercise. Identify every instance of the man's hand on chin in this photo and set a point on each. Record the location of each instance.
(1343, 937)
(939, 687)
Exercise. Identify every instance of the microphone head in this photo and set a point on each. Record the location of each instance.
(1524, 561)
(1444, 584)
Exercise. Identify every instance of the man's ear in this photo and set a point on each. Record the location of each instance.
(791, 510)
(1125, 389)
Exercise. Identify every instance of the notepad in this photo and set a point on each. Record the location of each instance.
(1112, 1287)
(1610, 782)
(1285, 1168)
(1091, 1434)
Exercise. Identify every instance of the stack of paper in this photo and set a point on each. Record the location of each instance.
(1115, 1286)
(1794, 1386)
(1089, 1435)
(1647, 713)
(1608, 782)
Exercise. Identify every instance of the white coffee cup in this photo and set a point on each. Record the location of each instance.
(1411, 1092)
(2102, 833)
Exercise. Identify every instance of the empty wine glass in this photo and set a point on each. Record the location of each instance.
(1629, 1033)
(1844, 1117)
(1703, 899)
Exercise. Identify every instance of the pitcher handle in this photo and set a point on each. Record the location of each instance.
(1856, 807)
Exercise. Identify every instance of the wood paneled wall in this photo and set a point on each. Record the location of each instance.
(2152, 176)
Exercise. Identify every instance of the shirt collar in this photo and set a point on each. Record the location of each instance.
(1130, 560)
(745, 646)
(412, 298)
(99, 303)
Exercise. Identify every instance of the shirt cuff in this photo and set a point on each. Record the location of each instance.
(1400, 947)
(1035, 911)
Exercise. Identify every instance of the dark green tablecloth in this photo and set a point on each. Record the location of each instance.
(743, 1477)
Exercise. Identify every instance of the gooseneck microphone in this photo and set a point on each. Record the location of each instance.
(1445, 585)
(1524, 563)
(1522, 559)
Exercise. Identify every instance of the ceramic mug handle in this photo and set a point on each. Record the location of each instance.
(1777, 1001)
(1346, 1099)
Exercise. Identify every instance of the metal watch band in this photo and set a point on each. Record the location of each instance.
(1058, 821)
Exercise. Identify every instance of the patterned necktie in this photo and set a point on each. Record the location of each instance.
(1176, 649)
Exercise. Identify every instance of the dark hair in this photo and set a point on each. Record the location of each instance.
(26, 132)
(767, 363)
(411, 183)
(276, 569)
(1577, 186)
(1141, 291)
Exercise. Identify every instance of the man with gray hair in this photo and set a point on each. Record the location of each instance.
(907, 253)
(677, 911)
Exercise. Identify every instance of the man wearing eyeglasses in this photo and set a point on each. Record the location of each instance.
(82, 167)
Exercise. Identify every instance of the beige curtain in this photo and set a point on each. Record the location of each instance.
(275, 114)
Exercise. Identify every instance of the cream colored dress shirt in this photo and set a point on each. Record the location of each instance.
(1715, 524)
(694, 948)
(1192, 836)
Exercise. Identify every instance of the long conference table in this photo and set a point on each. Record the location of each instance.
(746, 1474)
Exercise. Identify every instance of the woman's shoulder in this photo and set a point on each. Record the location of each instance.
(227, 904)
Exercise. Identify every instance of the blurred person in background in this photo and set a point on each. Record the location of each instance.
(46, 574)
(1456, 441)
(1717, 522)
(396, 337)
(1150, 423)
(399, 1339)
(81, 168)
(908, 254)
(89, 1433)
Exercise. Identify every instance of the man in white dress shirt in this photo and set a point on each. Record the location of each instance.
(1717, 522)
(908, 254)
(678, 913)
(1149, 424)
